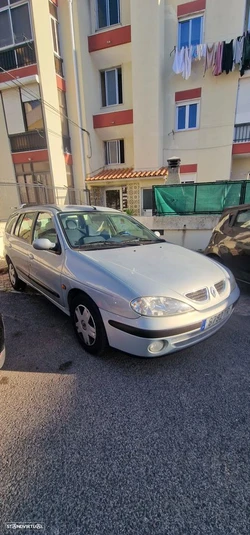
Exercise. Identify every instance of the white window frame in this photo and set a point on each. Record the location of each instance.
(118, 151)
(187, 104)
(113, 188)
(190, 18)
(108, 15)
(9, 8)
(117, 103)
(56, 26)
(146, 211)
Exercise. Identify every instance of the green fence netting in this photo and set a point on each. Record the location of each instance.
(202, 198)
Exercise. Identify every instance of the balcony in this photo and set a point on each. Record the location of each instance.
(26, 141)
(19, 56)
(242, 133)
(111, 47)
(58, 65)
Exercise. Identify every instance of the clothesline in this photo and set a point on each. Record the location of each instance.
(220, 57)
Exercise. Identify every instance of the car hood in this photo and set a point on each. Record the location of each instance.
(155, 269)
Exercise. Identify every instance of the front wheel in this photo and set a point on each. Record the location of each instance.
(15, 282)
(88, 325)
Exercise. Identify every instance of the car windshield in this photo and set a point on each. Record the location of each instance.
(95, 230)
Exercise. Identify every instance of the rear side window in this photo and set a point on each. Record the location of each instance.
(25, 229)
(243, 220)
(10, 223)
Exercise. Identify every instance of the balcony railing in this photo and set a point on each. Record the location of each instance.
(34, 140)
(59, 65)
(242, 133)
(19, 56)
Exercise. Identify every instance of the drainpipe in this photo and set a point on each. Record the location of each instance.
(78, 102)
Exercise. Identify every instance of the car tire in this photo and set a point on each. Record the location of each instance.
(15, 282)
(88, 325)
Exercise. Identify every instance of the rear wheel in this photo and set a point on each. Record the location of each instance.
(15, 282)
(88, 325)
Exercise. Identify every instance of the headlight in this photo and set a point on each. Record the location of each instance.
(232, 281)
(159, 306)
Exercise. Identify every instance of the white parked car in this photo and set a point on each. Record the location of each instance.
(121, 284)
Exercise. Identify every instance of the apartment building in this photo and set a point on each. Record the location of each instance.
(90, 96)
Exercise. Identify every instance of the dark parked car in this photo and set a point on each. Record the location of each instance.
(230, 241)
(2, 343)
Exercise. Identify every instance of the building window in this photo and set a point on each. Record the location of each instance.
(114, 151)
(111, 86)
(63, 113)
(187, 116)
(15, 25)
(34, 183)
(146, 201)
(33, 115)
(113, 198)
(55, 35)
(190, 32)
(108, 13)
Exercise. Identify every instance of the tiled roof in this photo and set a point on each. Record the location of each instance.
(118, 174)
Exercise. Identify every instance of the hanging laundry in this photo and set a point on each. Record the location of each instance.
(217, 69)
(201, 51)
(227, 57)
(210, 57)
(194, 54)
(178, 65)
(187, 64)
(238, 51)
(245, 54)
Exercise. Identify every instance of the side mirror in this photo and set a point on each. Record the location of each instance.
(43, 244)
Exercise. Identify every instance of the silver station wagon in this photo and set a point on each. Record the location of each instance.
(121, 284)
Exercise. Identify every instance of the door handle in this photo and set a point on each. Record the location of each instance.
(31, 256)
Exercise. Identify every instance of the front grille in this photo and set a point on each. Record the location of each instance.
(220, 286)
(199, 295)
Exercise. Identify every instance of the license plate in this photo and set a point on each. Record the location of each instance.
(211, 322)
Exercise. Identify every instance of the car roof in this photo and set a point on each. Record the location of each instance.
(67, 208)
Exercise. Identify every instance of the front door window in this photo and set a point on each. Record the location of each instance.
(113, 199)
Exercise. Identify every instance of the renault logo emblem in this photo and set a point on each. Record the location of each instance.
(213, 291)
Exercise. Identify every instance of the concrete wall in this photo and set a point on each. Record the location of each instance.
(193, 232)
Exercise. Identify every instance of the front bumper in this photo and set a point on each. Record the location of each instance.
(179, 332)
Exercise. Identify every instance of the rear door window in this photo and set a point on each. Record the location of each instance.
(25, 230)
(45, 228)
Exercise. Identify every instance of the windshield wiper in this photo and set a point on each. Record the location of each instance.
(113, 243)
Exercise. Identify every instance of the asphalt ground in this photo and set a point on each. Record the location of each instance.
(121, 445)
